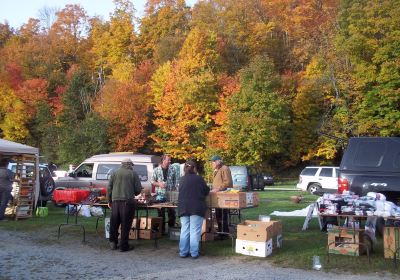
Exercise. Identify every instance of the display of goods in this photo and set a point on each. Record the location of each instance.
(90, 199)
(70, 195)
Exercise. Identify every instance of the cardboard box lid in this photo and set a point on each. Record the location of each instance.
(255, 231)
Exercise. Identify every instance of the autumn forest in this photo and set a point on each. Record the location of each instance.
(267, 83)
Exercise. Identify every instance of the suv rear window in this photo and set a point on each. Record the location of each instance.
(369, 154)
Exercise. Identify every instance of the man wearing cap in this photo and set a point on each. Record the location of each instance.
(123, 186)
(222, 180)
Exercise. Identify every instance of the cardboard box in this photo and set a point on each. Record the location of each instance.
(345, 241)
(391, 242)
(207, 230)
(149, 234)
(254, 248)
(226, 200)
(143, 234)
(252, 199)
(207, 226)
(153, 223)
(255, 231)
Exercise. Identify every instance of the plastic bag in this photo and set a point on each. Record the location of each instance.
(84, 211)
(96, 211)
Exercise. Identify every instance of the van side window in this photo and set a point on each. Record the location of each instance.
(104, 170)
(326, 172)
(85, 170)
(141, 170)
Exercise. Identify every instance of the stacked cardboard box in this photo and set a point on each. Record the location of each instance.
(346, 241)
(232, 200)
(207, 230)
(391, 242)
(256, 238)
(149, 228)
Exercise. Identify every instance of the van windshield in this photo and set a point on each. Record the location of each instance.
(105, 170)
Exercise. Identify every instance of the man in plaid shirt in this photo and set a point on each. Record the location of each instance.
(164, 179)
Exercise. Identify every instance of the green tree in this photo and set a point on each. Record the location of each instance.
(369, 35)
(162, 30)
(258, 125)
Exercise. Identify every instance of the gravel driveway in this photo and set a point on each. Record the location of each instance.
(28, 256)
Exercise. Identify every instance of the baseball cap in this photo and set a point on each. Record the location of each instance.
(216, 157)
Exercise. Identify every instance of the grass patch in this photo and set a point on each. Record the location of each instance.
(298, 246)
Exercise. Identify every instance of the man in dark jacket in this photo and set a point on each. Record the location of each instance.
(124, 184)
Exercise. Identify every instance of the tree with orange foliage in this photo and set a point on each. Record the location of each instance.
(217, 142)
(125, 106)
(185, 93)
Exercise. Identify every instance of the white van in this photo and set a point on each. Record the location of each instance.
(95, 171)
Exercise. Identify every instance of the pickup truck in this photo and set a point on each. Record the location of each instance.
(371, 164)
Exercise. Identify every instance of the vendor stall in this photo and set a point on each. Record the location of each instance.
(348, 211)
(26, 185)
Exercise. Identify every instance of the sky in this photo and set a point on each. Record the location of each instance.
(17, 12)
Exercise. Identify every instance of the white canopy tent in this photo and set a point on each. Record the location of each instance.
(9, 148)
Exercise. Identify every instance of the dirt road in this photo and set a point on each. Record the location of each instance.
(29, 256)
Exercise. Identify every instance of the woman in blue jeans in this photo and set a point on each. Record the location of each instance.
(192, 210)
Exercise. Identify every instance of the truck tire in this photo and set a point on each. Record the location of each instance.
(47, 186)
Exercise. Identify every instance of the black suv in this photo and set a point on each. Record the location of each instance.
(371, 164)
(46, 181)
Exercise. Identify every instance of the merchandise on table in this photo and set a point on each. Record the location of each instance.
(349, 204)
(70, 195)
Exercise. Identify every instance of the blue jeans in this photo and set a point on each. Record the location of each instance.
(190, 235)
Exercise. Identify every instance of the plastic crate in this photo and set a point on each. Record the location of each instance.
(70, 195)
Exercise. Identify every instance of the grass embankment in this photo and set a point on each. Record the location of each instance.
(298, 246)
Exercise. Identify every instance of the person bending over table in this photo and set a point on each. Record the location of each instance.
(122, 188)
(222, 180)
(192, 210)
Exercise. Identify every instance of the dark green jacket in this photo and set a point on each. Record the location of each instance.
(124, 184)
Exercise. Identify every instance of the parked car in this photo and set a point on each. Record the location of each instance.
(319, 179)
(371, 164)
(96, 170)
(47, 184)
(268, 180)
(247, 178)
